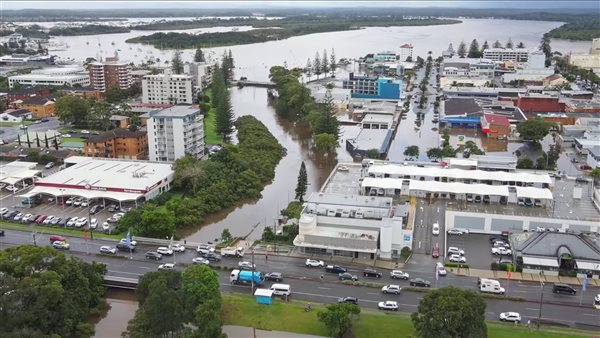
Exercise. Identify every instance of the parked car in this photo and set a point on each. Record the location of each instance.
(93, 224)
(3, 211)
(528, 202)
(420, 282)
(163, 250)
(335, 269)
(41, 219)
(348, 300)
(501, 251)
(153, 255)
(11, 188)
(112, 208)
(108, 250)
(72, 221)
(313, 263)
(167, 266)
(274, 276)
(582, 180)
(25, 218)
(435, 229)
(347, 276)
(457, 259)
(82, 222)
(455, 231)
(371, 273)
(477, 198)
(70, 201)
(200, 260)
(392, 288)
(398, 274)
(49, 165)
(486, 199)
(62, 222)
(55, 221)
(510, 317)
(48, 219)
(18, 217)
(77, 202)
(521, 201)
(585, 167)
(455, 251)
(389, 305)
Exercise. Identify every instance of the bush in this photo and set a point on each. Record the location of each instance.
(204, 107)
(405, 252)
(502, 267)
(455, 265)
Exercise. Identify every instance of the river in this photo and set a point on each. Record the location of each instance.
(123, 305)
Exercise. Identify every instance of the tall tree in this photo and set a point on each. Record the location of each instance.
(533, 130)
(509, 44)
(308, 68)
(484, 46)
(338, 318)
(72, 109)
(435, 154)
(200, 285)
(497, 44)
(325, 62)
(302, 182)
(224, 114)
(327, 121)
(521, 45)
(462, 49)
(177, 63)
(317, 65)
(199, 55)
(474, 49)
(450, 312)
(332, 62)
(325, 142)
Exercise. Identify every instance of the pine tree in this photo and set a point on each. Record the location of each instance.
(325, 63)
(177, 63)
(497, 44)
(327, 122)
(333, 63)
(485, 46)
(302, 183)
(317, 65)
(199, 56)
(224, 113)
(462, 49)
(308, 69)
(474, 49)
(509, 43)
(521, 45)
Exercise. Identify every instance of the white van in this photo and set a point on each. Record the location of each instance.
(491, 286)
(282, 290)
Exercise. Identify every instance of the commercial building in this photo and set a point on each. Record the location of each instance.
(167, 89)
(406, 51)
(15, 115)
(59, 76)
(468, 67)
(14, 173)
(175, 132)
(593, 157)
(106, 179)
(495, 125)
(373, 87)
(376, 133)
(110, 73)
(118, 143)
(26, 60)
(520, 55)
(39, 106)
(353, 226)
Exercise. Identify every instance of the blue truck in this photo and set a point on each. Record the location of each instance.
(246, 277)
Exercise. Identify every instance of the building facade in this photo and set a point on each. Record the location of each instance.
(175, 132)
(167, 89)
(110, 73)
(68, 76)
(118, 143)
(15, 115)
(366, 87)
(406, 50)
(39, 106)
(520, 55)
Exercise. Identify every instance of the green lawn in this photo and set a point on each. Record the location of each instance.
(12, 124)
(210, 125)
(291, 317)
(55, 231)
(72, 139)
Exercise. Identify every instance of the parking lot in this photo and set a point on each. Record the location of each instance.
(477, 249)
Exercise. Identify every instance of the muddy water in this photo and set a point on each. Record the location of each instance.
(122, 308)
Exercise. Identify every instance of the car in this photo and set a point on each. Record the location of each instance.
(125, 248)
(392, 288)
(166, 266)
(537, 203)
(486, 199)
(335, 269)
(347, 276)
(82, 222)
(501, 251)
(112, 220)
(112, 208)
(18, 217)
(457, 259)
(514, 317)
(455, 251)
(389, 305)
(420, 282)
(70, 201)
(49, 165)
(66, 135)
(153, 255)
(119, 215)
(61, 245)
(455, 231)
(435, 251)
(44, 120)
(399, 274)
(55, 238)
(563, 288)
(93, 223)
(528, 202)
(41, 219)
(84, 131)
(62, 222)
(200, 260)
(10, 215)
(500, 243)
(246, 265)
(371, 273)
(581, 180)
(25, 218)
(1, 233)
(3, 211)
(84, 203)
(435, 229)
(95, 209)
(77, 202)
(441, 270)
(48, 219)
(163, 250)
(72, 221)
(131, 241)
(11, 188)
(274, 276)
(204, 249)
(177, 247)
(477, 198)
(213, 257)
(105, 249)
(348, 300)
(521, 201)
(55, 221)
(105, 227)
(585, 167)
(313, 263)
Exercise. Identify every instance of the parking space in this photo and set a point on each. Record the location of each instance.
(477, 249)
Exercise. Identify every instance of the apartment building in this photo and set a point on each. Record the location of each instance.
(167, 88)
(175, 132)
(110, 73)
(118, 143)
(40, 106)
(366, 87)
(406, 50)
(506, 54)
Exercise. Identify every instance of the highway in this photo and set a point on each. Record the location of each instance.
(560, 310)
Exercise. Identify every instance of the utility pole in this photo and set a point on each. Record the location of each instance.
(541, 300)
(252, 277)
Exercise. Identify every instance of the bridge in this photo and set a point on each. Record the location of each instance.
(264, 84)
(120, 282)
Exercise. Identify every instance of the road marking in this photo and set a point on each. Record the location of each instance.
(323, 288)
(372, 293)
(127, 273)
(591, 314)
(531, 309)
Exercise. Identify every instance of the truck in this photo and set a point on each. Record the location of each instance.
(232, 252)
(491, 286)
(246, 277)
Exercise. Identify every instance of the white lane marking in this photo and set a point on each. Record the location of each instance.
(372, 293)
(145, 267)
(531, 309)
(323, 288)
(591, 314)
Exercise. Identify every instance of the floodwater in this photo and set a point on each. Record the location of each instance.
(122, 308)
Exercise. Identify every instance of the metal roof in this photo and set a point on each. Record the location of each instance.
(548, 243)
(535, 193)
(539, 261)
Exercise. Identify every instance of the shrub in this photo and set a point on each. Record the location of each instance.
(455, 265)
(405, 252)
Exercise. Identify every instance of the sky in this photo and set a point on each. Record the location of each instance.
(92, 4)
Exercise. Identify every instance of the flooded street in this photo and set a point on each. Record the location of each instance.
(122, 308)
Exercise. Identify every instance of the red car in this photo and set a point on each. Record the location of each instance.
(435, 251)
(585, 167)
(41, 219)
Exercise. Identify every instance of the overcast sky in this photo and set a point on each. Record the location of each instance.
(50, 4)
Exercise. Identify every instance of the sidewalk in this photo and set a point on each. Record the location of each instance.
(518, 276)
(233, 331)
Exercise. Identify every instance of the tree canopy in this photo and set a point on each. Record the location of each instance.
(533, 130)
(338, 318)
(462, 49)
(412, 152)
(302, 183)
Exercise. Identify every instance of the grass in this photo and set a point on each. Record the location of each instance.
(55, 230)
(210, 124)
(12, 124)
(291, 317)
(72, 139)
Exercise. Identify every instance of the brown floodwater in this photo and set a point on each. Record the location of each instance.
(123, 305)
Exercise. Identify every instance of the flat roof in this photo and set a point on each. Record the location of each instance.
(536, 193)
(374, 117)
(87, 194)
(16, 171)
(351, 200)
(551, 262)
(462, 161)
(175, 111)
(372, 139)
(398, 169)
(459, 188)
(263, 292)
(108, 175)
(337, 232)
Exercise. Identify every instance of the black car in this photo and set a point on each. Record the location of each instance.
(153, 255)
(420, 282)
(125, 247)
(347, 276)
(33, 218)
(348, 300)
(335, 269)
(112, 208)
(274, 276)
(1, 233)
(371, 273)
(62, 222)
(95, 209)
(11, 215)
(563, 288)
(213, 257)
(528, 202)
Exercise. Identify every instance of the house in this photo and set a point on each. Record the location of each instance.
(40, 106)
(15, 115)
(23, 93)
(554, 80)
(118, 143)
(84, 92)
(120, 121)
(495, 125)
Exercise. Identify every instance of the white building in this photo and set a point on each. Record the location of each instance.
(468, 67)
(15, 115)
(201, 73)
(507, 54)
(174, 132)
(58, 76)
(406, 50)
(167, 89)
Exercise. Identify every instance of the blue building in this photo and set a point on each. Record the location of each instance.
(365, 87)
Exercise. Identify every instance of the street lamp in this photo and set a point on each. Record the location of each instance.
(541, 299)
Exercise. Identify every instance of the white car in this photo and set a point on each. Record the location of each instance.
(81, 222)
(93, 224)
(3, 211)
(108, 250)
(70, 201)
(313, 263)
(124, 241)
(457, 231)
(19, 216)
(163, 250)
(66, 135)
(441, 270)
(501, 251)
(84, 203)
(105, 226)
(246, 265)
(510, 317)
(178, 247)
(455, 251)
(166, 266)
(26, 218)
(84, 131)
(398, 274)
(457, 259)
(435, 230)
(11, 188)
(48, 219)
(392, 288)
(388, 305)
(204, 249)
(200, 260)
(72, 221)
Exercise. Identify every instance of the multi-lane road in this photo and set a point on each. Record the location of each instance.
(307, 285)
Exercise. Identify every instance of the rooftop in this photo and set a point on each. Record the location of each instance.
(496, 119)
(372, 139)
(36, 101)
(548, 244)
(178, 111)
(116, 133)
(351, 200)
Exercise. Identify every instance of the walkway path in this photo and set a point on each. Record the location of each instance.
(233, 331)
